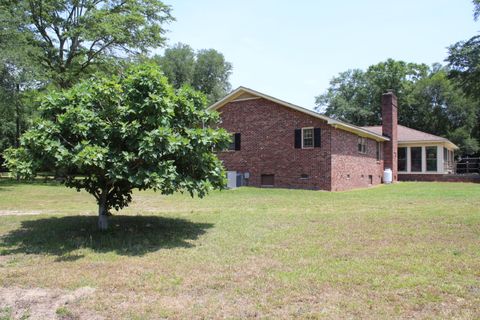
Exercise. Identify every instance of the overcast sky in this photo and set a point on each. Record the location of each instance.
(292, 49)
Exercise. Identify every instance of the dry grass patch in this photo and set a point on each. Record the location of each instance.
(404, 251)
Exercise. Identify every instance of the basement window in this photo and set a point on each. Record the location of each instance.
(267, 180)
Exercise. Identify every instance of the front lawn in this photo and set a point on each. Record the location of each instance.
(410, 250)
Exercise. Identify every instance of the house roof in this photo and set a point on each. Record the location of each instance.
(408, 135)
(243, 93)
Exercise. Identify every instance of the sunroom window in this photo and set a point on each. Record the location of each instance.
(402, 159)
(416, 159)
(431, 153)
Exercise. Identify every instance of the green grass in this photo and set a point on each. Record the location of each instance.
(410, 250)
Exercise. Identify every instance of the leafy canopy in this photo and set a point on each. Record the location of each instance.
(73, 38)
(205, 70)
(427, 100)
(109, 136)
(464, 64)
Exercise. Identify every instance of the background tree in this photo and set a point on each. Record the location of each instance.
(19, 77)
(133, 131)
(464, 65)
(211, 74)
(205, 70)
(476, 9)
(464, 69)
(355, 95)
(440, 107)
(15, 82)
(427, 100)
(75, 38)
(178, 64)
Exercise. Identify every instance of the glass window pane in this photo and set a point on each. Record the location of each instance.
(362, 145)
(416, 159)
(231, 146)
(307, 138)
(402, 159)
(431, 158)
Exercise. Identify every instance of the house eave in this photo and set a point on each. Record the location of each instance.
(445, 142)
(335, 123)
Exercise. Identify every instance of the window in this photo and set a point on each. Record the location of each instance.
(362, 145)
(416, 159)
(402, 159)
(379, 151)
(431, 158)
(304, 176)
(234, 142)
(231, 146)
(307, 137)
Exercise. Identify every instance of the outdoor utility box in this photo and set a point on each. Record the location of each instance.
(231, 179)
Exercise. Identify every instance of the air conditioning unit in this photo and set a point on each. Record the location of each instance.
(231, 179)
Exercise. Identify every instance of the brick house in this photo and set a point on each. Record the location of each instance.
(279, 144)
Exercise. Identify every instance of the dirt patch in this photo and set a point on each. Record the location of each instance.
(40, 303)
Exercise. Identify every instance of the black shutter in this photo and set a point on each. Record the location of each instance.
(317, 137)
(298, 138)
(237, 141)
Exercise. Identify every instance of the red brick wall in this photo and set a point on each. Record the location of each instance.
(351, 169)
(267, 145)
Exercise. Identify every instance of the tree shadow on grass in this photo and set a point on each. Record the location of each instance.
(127, 235)
(6, 184)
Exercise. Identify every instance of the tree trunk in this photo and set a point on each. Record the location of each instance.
(17, 121)
(17, 117)
(102, 212)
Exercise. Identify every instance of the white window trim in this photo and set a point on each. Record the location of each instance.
(364, 143)
(313, 137)
(424, 160)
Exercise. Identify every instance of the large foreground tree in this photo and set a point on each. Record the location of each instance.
(109, 136)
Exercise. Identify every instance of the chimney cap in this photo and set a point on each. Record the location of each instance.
(390, 91)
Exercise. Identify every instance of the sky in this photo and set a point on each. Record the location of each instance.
(292, 49)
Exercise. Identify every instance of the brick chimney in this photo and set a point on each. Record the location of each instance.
(389, 129)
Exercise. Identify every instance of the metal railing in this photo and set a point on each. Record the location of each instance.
(467, 165)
